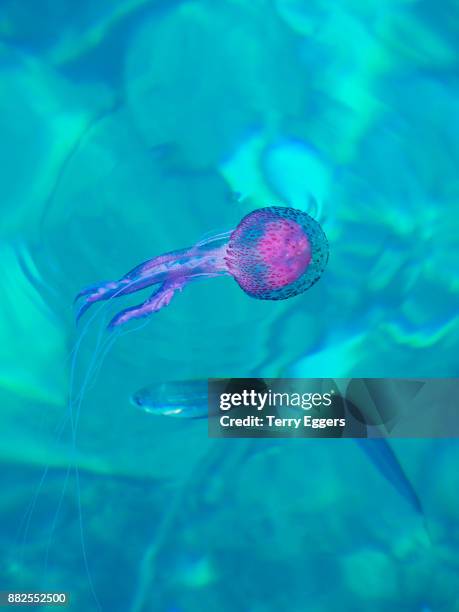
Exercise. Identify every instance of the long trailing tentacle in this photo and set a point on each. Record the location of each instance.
(159, 299)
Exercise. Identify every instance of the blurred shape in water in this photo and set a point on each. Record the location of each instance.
(43, 118)
(299, 175)
(380, 453)
(185, 399)
(217, 83)
(195, 572)
(243, 174)
(188, 399)
(28, 358)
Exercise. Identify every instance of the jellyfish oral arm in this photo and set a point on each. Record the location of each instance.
(172, 271)
(159, 299)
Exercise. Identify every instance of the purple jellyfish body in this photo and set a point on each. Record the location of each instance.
(273, 254)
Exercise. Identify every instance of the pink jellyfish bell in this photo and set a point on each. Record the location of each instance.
(273, 254)
(276, 253)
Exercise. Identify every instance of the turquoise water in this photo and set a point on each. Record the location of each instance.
(132, 128)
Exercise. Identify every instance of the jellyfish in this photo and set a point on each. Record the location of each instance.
(273, 254)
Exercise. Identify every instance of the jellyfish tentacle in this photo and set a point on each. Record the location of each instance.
(153, 267)
(96, 293)
(160, 298)
(148, 273)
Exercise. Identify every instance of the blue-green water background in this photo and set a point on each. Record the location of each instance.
(131, 128)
